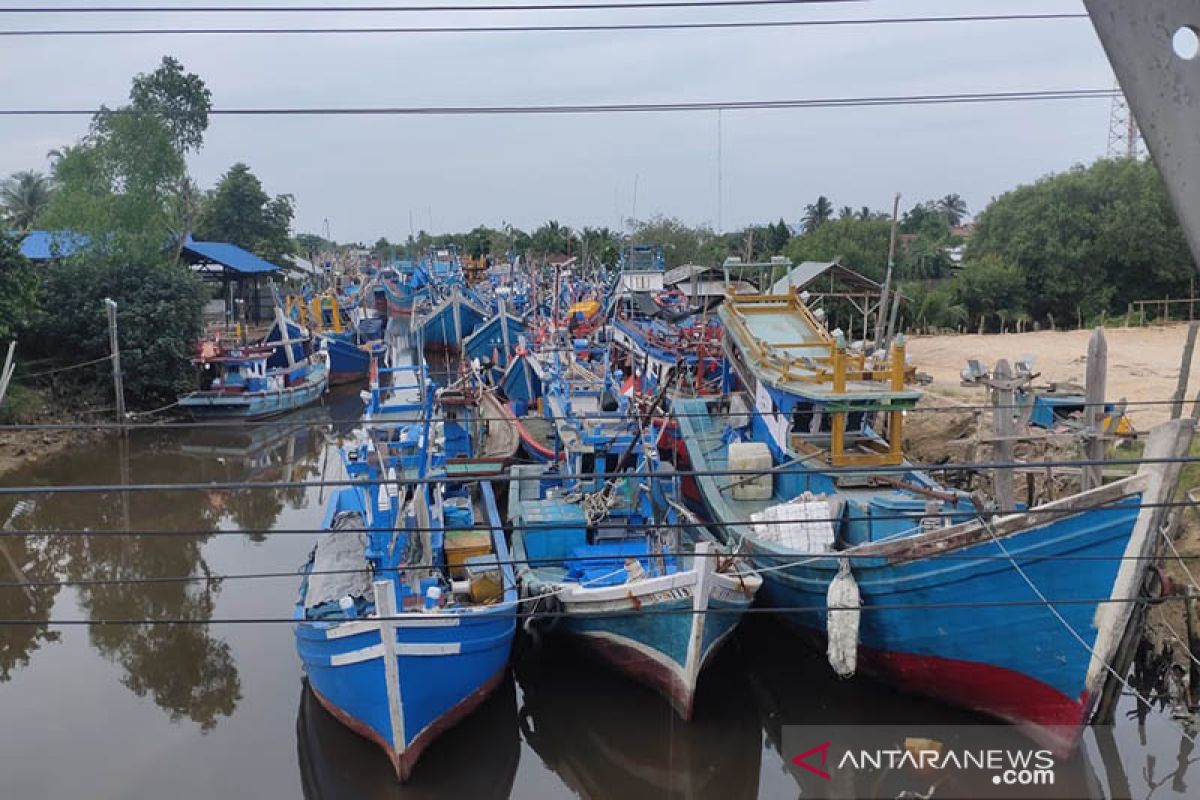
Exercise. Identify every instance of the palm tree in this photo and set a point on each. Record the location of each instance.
(845, 212)
(817, 214)
(865, 213)
(953, 208)
(24, 197)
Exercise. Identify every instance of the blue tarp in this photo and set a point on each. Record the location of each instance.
(49, 245)
(227, 255)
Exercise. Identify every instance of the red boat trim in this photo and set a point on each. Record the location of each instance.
(532, 443)
(1046, 715)
(404, 762)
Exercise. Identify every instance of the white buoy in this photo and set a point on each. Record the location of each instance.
(843, 608)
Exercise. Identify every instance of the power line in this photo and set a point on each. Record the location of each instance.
(643, 612)
(522, 7)
(619, 108)
(911, 516)
(682, 473)
(610, 27)
(784, 559)
(250, 425)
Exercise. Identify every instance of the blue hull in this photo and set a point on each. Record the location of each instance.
(347, 361)
(953, 613)
(440, 329)
(448, 662)
(444, 673)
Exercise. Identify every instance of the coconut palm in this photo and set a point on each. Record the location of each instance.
(23, 198)
(817, 214)
(953, 208)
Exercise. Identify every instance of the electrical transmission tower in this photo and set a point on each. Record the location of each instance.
(1123, 134)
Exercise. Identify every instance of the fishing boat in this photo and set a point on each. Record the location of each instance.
(928, 589)
(446, 323)
(282, 373)
(480, 430)
(494, 342)
(649, 343)
(348, 333)
(406, 612)
(613, 562)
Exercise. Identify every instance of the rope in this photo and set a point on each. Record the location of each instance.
(65, 369)
(1058, 615)
(754, 610)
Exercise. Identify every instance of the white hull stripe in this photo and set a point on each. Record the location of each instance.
(402, 649)
(403, 621)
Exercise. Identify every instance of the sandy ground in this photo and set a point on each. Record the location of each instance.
(1143, 363)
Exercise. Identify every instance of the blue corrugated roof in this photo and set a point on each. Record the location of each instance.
(228, 255)
(49, 245)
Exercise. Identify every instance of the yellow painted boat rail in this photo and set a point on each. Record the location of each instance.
(831, 366)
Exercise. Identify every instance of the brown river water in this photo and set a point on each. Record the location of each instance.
(220, 710)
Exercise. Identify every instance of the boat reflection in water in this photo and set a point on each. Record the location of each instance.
(606, 736)
(476, 759)
(795, 686)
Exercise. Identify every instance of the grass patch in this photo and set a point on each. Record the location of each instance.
(21, 405)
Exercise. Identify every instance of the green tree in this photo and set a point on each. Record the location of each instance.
(990, 288)
(239, 211)
(553, 238)
(23, 198)
(778, 236)
(1088, 240)
(683, 244)
(125, 184)
(180, 99)
(953, 208)
(158, 316)
(860, 244)
(18, 289)
(817, 214)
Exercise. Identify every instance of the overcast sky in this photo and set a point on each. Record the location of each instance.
(367, 174)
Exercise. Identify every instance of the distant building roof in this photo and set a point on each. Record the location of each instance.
(51, 245)
(229, 256)
(806, 272)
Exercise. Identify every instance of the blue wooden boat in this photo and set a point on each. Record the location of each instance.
(494, 342)
(616, 565)
(955, 599)
(522, 380)
(280, 374)
(447, 323)
(406, 612)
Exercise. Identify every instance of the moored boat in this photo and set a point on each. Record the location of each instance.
(282, 373)
(612, 561)
(966, 605)
(406, 612)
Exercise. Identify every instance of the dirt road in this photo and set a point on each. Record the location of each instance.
(1143, 363)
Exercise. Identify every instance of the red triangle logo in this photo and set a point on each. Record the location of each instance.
(802, 762)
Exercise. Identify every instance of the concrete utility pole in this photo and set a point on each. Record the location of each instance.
(115, 350)
(1093, 413)
(882, 313)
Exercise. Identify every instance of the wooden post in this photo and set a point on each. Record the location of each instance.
(6, 372)
(1003, 400)
(115, 350)
(1185, 368)
(881, 316)
(1097, 372)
